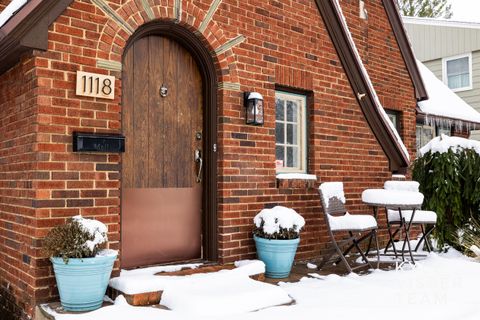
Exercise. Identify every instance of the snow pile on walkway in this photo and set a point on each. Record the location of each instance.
(222, 294)
(272, 220)
(444, 143)
(145, 279)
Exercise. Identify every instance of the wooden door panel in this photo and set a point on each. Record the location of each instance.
(140, 113)
(161, 199)
(156, 114)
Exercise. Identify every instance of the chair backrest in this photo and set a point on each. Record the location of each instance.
(333, 198)
(402, 185)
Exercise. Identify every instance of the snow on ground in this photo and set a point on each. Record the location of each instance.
(441, 287)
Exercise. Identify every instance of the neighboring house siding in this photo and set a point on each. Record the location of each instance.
(433, 42)
(472, 97)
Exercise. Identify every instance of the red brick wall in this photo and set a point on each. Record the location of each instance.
(286, 45)
(379, 51)
(18, 263)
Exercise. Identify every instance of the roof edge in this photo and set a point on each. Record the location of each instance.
(421, 115)
(441, 22)
(365, 95)
(405, 48)
(28, 30)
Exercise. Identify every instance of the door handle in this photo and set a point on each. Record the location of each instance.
(199, 160)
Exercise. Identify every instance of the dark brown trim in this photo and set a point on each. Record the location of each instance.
(405, 48)
(363, 92)
(28, 30)
(207, 68)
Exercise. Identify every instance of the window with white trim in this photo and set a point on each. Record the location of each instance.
(290, 132)
(457, 72)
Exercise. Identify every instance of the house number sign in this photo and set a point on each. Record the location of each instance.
(95, 85)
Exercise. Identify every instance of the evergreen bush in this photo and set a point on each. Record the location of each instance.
(450, 183)
(71, 241)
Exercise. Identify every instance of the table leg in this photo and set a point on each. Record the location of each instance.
(375, 213)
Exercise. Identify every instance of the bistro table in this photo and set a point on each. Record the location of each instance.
(395, 200)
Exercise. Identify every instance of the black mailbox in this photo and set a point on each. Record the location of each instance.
(98, 142)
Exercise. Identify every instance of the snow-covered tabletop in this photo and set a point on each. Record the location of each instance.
(393, 198)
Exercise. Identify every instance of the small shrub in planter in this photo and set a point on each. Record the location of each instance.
(81, 263)
(276, 235)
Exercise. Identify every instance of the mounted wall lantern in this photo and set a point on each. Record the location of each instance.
(253, 108)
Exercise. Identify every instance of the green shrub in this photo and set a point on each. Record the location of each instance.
(70, 241)
(450, 184)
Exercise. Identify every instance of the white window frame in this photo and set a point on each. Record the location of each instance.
(444, 71)
(301, 133)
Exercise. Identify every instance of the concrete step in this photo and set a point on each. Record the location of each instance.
(153, 298)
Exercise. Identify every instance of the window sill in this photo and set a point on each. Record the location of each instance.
(462, 89)
(296, 180)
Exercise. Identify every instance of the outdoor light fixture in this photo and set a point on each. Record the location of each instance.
(253, 108)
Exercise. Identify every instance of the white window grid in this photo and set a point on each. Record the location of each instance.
(301, 124)
(445, 71)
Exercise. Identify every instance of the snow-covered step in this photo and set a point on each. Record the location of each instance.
(145, 286)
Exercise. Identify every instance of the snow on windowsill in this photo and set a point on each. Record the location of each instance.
(296, 176)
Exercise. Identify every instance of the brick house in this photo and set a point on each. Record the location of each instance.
(175, 73)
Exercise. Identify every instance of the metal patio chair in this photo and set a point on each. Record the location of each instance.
(399, 220)
(338, 220)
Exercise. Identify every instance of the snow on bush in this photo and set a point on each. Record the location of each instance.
(444, 143)
(79, 238)
(448, 170)
(278, 223)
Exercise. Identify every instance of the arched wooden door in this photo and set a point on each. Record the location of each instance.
(162, 178)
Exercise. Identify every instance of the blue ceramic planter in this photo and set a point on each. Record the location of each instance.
(278, 255)
(82, 282)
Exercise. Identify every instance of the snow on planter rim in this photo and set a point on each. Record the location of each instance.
(94, 228)
(279, 217)
(443, 143)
